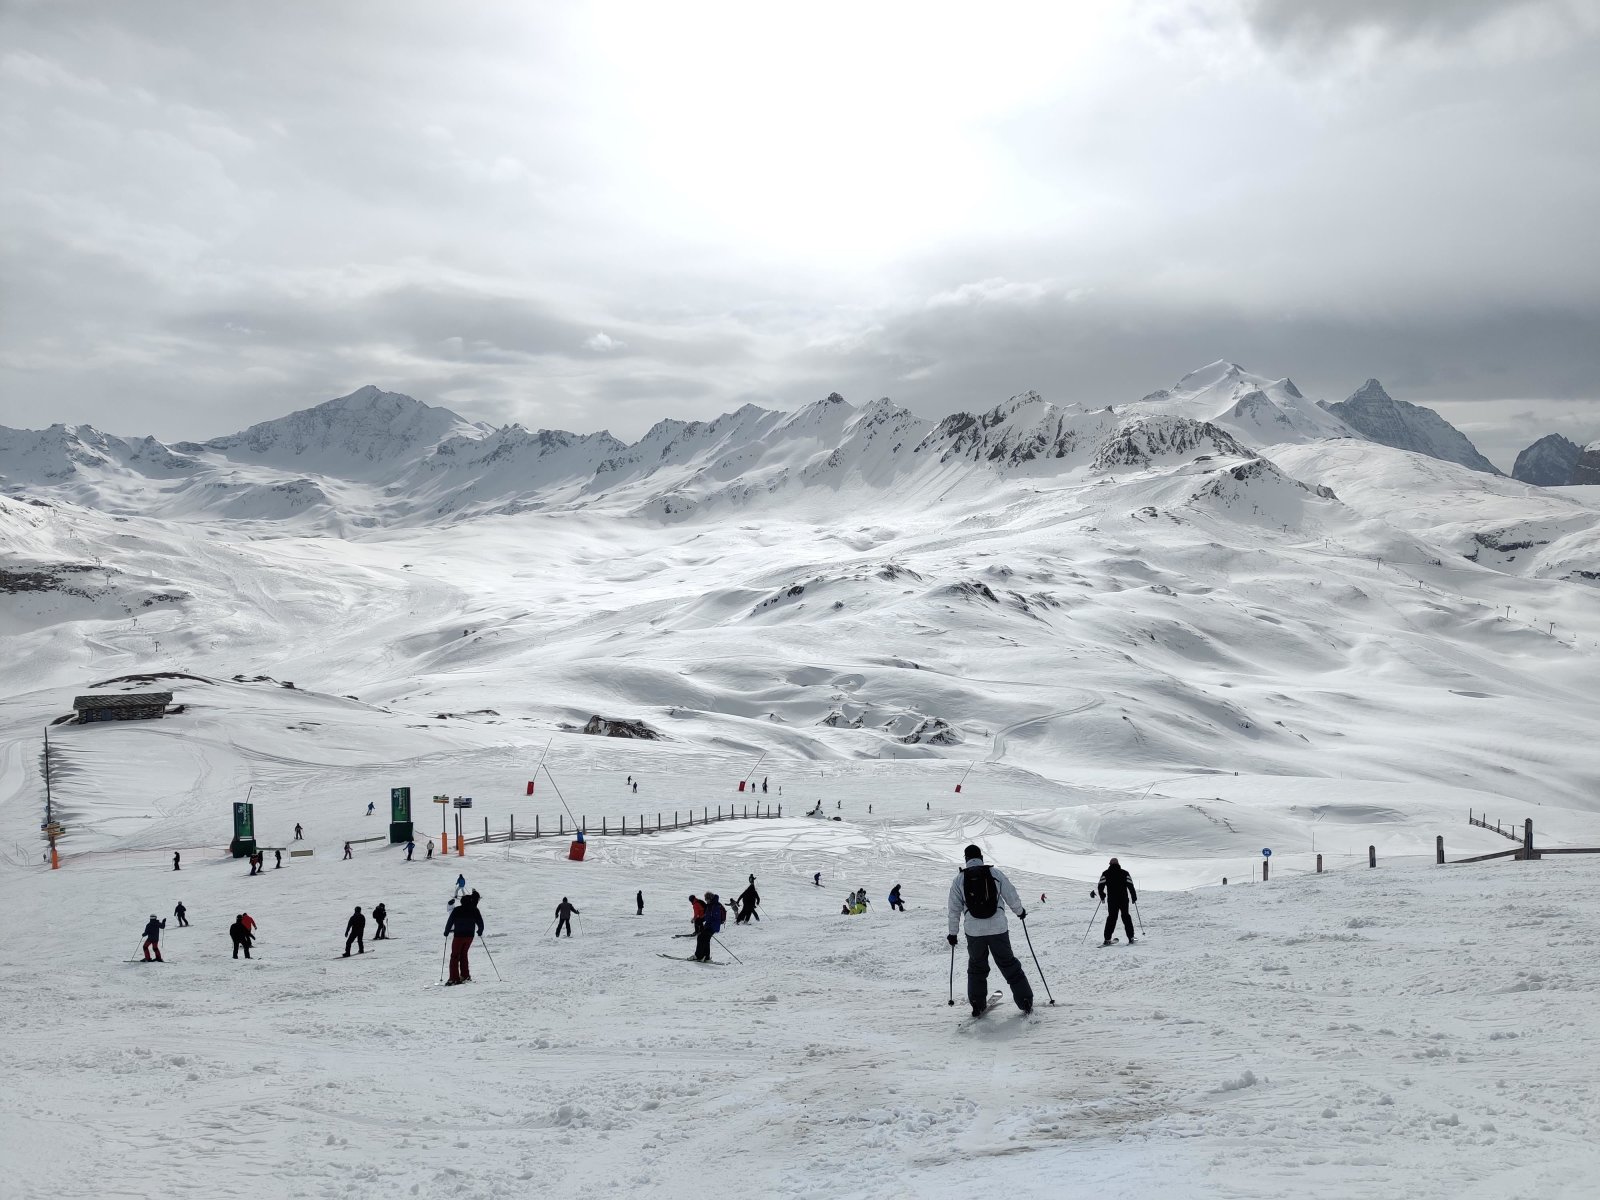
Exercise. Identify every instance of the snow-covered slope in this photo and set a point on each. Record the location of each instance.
(1374, 413)
(1549, 462)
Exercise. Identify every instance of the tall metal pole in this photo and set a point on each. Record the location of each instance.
(49, 808)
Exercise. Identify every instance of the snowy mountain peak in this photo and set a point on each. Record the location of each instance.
(1549, 462)
(354, 436)
(1588, 468)
(1210, 375)
(1377, 415)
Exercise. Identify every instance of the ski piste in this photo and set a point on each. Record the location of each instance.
(682, 958)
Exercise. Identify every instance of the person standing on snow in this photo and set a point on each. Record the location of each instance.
(277, 860)
(894, 899)
(564, 912)
(978, 890)
(355, 930)
(816, 879)
(241, 936)
(381, 916)
(178, 912)
(371, 804)
(299, 834)
(461, 885)
(708, 926)
(152, 939)
(347, 852)
(430, 849)
(411, 848)
(639, 900)
(175, 865)
(464, 921)
(748, 899)
(698, 907)
(1116, 889)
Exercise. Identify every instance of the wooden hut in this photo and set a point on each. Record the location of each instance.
(122, 706)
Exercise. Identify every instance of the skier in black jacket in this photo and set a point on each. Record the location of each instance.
(1116, 889)
(465, 920)
(152, 938)
(179, 913)
(355, 932)
(748, 900)
(381, 916)
(564, 912)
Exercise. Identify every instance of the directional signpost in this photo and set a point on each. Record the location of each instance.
(1266, 854)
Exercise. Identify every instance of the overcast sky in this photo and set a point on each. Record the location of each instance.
(592, 215)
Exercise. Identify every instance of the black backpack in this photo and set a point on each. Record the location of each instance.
(980, 892)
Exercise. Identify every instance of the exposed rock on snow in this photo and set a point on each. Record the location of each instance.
(618, 727)
(1405, 426)
(1588, 468)
(1142, 440)
(1549, 462)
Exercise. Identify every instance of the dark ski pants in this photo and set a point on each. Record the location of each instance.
(357, 940)
(999, 945)
(238, 946)
(702, 944)
(1118, 908)
(183, 922)
(383, 931)
(151, 945)
(564, 923)
(460, 969)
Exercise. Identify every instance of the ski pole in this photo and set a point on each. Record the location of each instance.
(1036, 966)
(442, 958)
(952, 974)
(1140, 915)
(497, 969)
(1092, 920)
(729, 953)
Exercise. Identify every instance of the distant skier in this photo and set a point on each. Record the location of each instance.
(748, 900)
(710, 925)
(430, 850)
(816, 879)
(411, 848)
(347, 851)
(639, 900)
(152, 939)
(763, 785)
(381, 916)
(564, 912)
(464, 921)
(175, 866)
(371, 804)
(241, 936)
(635, 787)
(1116, 889)
(299, 834)
(1041, 897)
(977, 890)
(249, 923)
(861, 899)
(895, 902)
(254, 865)
(183, 921)
(461, 884)
(630, 782)
(277, 860)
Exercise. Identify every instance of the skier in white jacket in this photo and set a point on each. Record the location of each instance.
(978, 891)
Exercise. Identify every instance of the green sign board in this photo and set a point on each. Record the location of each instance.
(244, 820)
(400, 804)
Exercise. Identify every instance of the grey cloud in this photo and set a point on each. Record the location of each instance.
(1313, 24)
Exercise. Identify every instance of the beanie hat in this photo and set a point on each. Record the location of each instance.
(971, 852)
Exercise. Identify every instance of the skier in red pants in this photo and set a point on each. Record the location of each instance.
(152, 938)
(465, 920)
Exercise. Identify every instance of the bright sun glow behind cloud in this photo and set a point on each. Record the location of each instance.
(859, 131)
